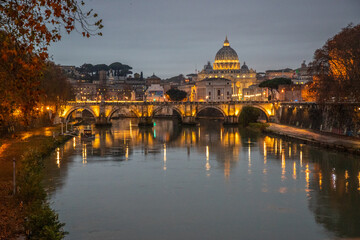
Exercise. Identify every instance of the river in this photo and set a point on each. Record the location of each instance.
(204, 182)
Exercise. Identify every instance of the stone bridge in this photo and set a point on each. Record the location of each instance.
(145, 111)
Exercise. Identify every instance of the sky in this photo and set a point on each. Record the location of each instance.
(172, 37)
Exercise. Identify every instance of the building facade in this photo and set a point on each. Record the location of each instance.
(213, 90)
(227, 66)
(155, 92)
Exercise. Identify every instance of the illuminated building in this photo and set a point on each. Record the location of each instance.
(227, 66)
(255, 93)
(155, 92)
(213, 89)
(282, 73)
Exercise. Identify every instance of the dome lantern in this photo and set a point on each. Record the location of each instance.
(226, 42)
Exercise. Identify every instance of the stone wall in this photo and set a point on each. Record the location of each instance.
(341, 119)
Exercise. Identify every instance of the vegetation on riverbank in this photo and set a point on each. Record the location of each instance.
(41, 221)
(248, 115)
(28, 213)
(258, 126)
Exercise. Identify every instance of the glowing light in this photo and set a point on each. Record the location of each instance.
(265, 153)
(346, 179)
(283, 166)
(207, 153)
(307, 177)
(320, 180)
(84, 154)
(359, 181)
(74, 142)
(333, 179)
(165, 157)
(294, 170)
(289, 151)
(58, 157)
(249, 155)
(207, 165)
(127, 153)
(301, 158)
(346, 174)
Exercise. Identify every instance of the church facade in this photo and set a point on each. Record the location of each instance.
(227, 66)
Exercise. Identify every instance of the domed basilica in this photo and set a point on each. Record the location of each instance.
(227, 66)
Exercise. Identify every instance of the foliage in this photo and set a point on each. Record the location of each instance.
(54, 86)
(248, 115)
(30, 179)
(336, 67)
(43, 223)
(35, 24)
(176, 94)
(275, 82)
(120, 69)
(91, 72)
(259, 126)
(26, 30)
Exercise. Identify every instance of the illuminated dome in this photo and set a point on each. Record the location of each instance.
(226, 58)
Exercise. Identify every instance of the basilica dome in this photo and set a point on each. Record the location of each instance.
(226, 58)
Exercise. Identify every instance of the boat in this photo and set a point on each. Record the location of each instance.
(87, 135)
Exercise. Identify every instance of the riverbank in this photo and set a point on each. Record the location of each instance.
(326, 140)
(24, 148)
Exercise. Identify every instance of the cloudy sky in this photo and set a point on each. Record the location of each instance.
(171, 37)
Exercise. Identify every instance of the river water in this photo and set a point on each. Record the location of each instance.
(204, 182)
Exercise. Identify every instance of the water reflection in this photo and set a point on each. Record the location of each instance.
(330, 182)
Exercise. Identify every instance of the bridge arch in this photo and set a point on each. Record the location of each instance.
(261, 108)
(210, 107)
(82, 108)
(116, 109)
(159, 108)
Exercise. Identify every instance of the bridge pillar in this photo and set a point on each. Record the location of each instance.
(146, 121)
(231, 120)
(189, 120)
(102, 121)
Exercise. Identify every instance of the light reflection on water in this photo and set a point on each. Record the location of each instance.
(206, 182)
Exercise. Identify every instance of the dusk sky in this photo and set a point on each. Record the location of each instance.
(172, 37)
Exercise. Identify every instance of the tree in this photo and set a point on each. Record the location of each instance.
(54, 86)
(87, 68)
(336, 67)
(273, 84)
(125, 70)
(176, 94)
(248, 115)
(26, 30)
(117, 67)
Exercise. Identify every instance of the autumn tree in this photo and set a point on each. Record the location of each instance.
(336, 67)
(54, 86)
(27, 28)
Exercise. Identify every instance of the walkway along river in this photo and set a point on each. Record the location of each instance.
(206, 182)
